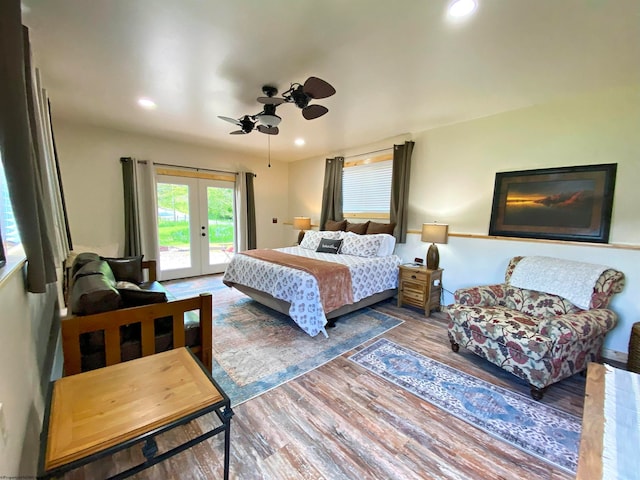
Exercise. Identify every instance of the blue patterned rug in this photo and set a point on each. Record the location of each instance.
(256, 349)
(536, 428)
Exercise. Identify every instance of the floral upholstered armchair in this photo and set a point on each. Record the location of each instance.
(545, 323)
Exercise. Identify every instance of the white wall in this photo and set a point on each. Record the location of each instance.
(24, 325)
(453, 173)
(92, 180)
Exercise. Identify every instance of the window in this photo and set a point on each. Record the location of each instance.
(366, 187)
(11, 243)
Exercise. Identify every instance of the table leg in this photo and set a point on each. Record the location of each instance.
(226, 415)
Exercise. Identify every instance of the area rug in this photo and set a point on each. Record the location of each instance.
(536, 428)
(256, 349)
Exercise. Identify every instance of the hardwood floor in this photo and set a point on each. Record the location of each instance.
(342, 422)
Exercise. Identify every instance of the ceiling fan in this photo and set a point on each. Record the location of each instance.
(267, 120)
(248, 123)
(313, 88)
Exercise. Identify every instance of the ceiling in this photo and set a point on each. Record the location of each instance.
(398, 67)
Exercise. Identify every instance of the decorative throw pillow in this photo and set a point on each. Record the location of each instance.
(361, 245)
(127, 269)
(333, 226)
(359, 228)
(375, 227)
(312, 238)
(328, 245)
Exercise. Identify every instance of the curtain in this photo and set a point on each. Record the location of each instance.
(63, 203)
(147, 209)
(400, 174)
(245, 212)
(252, 239)
(332, 191)
(132, 244)
(22, 155)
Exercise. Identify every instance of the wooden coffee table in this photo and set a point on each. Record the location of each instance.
(95, 414)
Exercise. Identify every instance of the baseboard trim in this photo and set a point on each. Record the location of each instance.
(615, 355)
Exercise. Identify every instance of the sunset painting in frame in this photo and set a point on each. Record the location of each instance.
(567, 203)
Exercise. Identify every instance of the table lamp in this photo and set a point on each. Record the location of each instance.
(434, 233)
(302, 224)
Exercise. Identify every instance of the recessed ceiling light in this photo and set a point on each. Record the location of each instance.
(299, 141)
(147, 103)
(462, 8)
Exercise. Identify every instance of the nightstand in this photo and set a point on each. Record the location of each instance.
(419, 287)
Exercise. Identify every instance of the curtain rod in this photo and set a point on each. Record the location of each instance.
(369, 153)
(197, 169)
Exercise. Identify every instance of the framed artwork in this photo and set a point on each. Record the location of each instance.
(567, 203)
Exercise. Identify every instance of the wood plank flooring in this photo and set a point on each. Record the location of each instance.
(342, 422)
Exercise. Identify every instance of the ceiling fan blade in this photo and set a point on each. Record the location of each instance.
(268, 130)
(230, 120)
(317, 88)
(314, 111)
(239, 132)
(271, 100)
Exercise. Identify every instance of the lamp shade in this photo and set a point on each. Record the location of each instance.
(435, 232)
(301, 223)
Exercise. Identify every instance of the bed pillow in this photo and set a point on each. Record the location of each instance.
(361, 245)
(312, 238)
(329, 245)
(387, 244)
(359, 228)
(375, 227)
(333, 226)
(126, 269)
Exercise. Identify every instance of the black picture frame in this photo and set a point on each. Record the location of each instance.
(565, 203)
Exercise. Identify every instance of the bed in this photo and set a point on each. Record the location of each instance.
(370, 261)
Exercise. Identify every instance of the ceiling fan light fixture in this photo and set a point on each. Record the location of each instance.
(269, 120)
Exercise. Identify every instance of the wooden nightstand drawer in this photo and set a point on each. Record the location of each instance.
(413, 274)
(411, 294)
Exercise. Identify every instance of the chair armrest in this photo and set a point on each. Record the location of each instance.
(573, 326)
(150, 266)
(483, 296)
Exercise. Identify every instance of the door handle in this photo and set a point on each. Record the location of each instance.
(203, 234)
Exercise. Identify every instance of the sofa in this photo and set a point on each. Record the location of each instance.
(118, 312)
(546, 322)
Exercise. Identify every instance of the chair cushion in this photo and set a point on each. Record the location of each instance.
(81, 260)
(94, 294)
(509, 328)
(537, 304)
(145, 294)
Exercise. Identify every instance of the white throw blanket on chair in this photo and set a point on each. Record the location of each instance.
(565, 278)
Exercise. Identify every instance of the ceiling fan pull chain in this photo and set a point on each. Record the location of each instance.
(269, 149)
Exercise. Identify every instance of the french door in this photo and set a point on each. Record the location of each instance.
(196, 225)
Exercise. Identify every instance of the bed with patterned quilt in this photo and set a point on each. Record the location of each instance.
(328, 275)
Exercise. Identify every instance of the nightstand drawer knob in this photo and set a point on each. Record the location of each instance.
(414, 277)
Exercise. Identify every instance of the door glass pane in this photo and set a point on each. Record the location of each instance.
(173, 226)
(220, 219)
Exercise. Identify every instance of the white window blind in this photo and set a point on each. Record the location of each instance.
(9, 234)
(367, 188)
